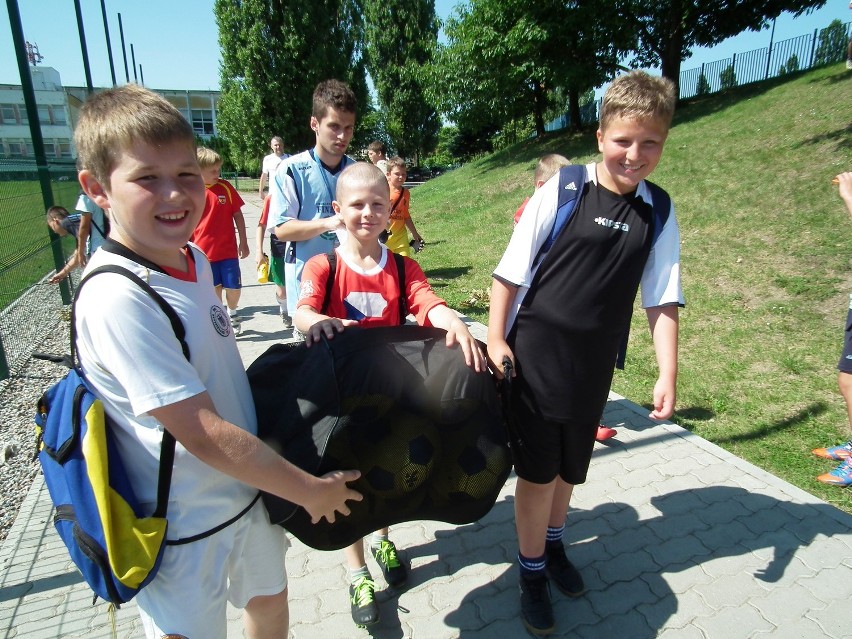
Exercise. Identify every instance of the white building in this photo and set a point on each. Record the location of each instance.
(53, 115)
(59, 110)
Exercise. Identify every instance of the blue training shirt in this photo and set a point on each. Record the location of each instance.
(302, 188)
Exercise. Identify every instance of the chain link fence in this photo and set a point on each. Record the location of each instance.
(30, 307)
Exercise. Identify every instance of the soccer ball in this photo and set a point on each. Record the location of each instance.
(395, 454)
(472, 467)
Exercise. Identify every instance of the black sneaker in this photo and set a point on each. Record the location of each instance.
(566, 577)
(392, 570)
(536, 611)
(365, 611)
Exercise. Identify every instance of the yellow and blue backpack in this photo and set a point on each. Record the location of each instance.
(117, 547)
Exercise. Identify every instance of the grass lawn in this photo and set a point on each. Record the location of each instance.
(765, 257)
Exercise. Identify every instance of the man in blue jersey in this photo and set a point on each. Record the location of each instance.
(302, 188)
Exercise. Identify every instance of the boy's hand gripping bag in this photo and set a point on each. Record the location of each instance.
(117, 550)
(426, 431)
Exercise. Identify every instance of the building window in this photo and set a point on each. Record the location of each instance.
(64, 147)
(51, 150)
(22, 113)
(59, 115)
(202, 121)
(43, 114)
(16, 148)
(8, 114)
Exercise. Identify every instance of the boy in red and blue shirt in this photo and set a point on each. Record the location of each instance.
(215, 232)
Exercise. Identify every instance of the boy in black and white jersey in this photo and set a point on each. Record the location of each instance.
(561, 322)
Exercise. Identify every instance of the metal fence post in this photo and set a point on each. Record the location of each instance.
(813, 50)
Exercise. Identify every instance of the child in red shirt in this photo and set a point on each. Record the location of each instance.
(365, 292)
(215, 232)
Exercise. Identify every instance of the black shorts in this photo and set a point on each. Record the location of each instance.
(543, 449)
(845, 363)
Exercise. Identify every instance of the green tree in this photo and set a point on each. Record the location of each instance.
(274, 52)
(703, 86)
(504, 60)
(669, 29)
(727, 78)
(401, 36)
(443, 156)
(791, 66)
(832, 44)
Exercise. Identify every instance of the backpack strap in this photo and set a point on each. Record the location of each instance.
(403, 294)
(167, 448)
(331, 256)
(572, 180)
(400, 273)
(661, 205)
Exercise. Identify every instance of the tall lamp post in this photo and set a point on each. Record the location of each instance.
(769, 55)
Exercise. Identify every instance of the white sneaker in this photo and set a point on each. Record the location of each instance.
(236, 323)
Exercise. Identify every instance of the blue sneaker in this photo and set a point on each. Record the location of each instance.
(840, 476)
(837, 453)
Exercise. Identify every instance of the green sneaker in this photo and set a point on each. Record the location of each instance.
(393, 571)
(365, 610)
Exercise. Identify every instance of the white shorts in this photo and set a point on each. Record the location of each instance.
(190, 593)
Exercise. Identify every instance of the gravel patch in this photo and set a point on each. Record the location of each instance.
(18, 397)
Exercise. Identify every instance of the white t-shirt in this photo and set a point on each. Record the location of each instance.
(271, 162)
(132, 359)
(96, 238)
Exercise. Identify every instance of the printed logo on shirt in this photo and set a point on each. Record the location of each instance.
(570, 187)
(223, 199)
(360, 305)
(618, 226)
(220, 320)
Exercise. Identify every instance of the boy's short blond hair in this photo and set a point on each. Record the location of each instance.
(638, 95)
(361, 173)
(396, 162)
(113, 120)
(548, 165)
(207, 158)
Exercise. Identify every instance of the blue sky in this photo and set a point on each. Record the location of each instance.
(175, 41)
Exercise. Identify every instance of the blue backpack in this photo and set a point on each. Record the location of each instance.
(572, 180)
(115, 546)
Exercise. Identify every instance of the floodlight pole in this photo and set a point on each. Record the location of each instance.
(85, 51)
(38, 147)
(108, 43)
(133, 62)
(123, 49)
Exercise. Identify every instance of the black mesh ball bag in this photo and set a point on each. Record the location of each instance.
(426, 431)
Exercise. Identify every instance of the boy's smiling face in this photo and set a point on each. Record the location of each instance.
(155, 198)
(364, 209)
(631, 150)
